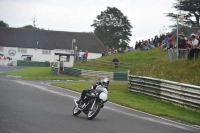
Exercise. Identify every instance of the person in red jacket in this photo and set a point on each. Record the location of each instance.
(86, 54)
(186, 45)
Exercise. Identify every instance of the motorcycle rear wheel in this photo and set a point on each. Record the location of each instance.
(76, 111)
(94, 112)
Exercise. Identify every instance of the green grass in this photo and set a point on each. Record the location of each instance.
(155, 63)
(40, 73)
(118, 93)
(137, 56)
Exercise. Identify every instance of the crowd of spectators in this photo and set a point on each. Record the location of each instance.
(190, 45)
(113, 51)
(81, 56)
(162, 41)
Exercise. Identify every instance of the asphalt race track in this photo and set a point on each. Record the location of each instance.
(35, 107)
(9, 68)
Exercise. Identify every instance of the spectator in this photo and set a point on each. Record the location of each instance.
(170, 41)
(166, 40)
(113, 51)
(103, 54)
(115, 60)
(162, 44)
(186, 45)
(139, 44)
(160, 40)
(83, 57)
(77, 56)
(181, 46)
(152, 42)
(149, 42)
(194, 45)
(156, 40)
(136, 45)
(198, 33)
(80, 55)
(86, 55)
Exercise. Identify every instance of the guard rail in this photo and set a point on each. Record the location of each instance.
(178, 93)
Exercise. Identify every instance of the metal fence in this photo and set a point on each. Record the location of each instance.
(107, 64)
(95, 74)
(183, 53)
(32, 63)
(54, 71)
(182, 94)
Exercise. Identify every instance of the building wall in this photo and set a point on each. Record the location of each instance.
(36, 53)
(39, 56)
(94, 55)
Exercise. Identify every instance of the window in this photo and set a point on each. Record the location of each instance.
(1, 49)
(22, 50)
(46, 51)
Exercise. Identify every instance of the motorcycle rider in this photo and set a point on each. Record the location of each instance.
(104, 82)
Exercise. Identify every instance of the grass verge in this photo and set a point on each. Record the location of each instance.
(40, 73)
(118, 93)
(155, 63)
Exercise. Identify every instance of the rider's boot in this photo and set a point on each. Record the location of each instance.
(78, 101)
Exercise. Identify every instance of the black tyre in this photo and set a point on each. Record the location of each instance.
(94, 112)
(76, 111)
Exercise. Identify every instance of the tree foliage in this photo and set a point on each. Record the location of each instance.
(29, 27)
(190, 9)
(112, 28)
(34, 26)
(3, 24)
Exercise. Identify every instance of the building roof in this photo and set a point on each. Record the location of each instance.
(28, 38)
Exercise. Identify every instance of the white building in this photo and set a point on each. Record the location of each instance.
(43, 45)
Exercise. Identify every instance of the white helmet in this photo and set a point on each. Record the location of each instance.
(105, 82)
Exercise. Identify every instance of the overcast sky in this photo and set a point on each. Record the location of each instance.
(146, 16)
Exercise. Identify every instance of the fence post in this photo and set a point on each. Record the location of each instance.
(128, 74)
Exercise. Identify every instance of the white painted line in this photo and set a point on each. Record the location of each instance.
(147, 118)
(44, 89)
(63, 88)
(192, 126)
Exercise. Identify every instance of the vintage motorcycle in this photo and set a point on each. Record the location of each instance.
(92, 103)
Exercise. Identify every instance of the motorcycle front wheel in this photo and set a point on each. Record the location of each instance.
(76, 111)
(91, 114)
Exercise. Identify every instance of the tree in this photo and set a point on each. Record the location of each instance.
(190, 9)
(112, 28)
(29, 27)
(3, 24)
(34, 19)
(34, 26)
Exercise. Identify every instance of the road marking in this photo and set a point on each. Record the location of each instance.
(43, 88)
(147, 118)
(130, 114)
